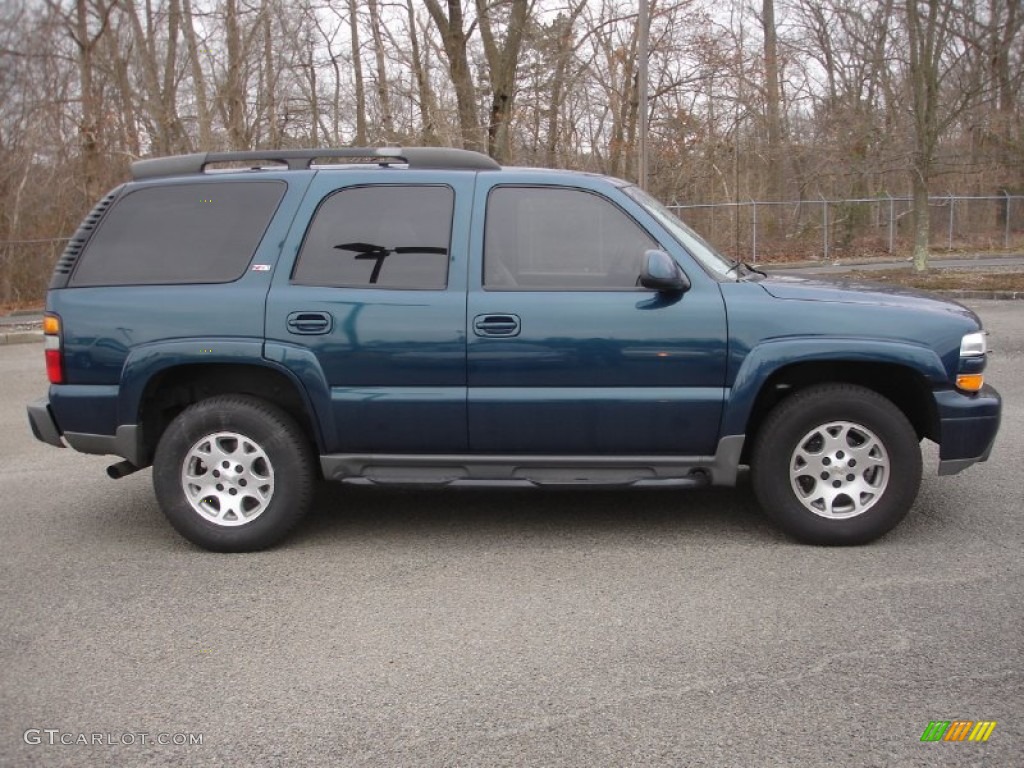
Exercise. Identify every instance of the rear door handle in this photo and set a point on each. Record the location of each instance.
(496, 325)
(308, 323)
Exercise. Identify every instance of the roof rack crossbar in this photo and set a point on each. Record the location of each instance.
(431, 158)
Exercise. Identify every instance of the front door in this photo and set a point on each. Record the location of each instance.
(567, 355)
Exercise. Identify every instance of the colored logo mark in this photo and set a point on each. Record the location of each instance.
(958, 730)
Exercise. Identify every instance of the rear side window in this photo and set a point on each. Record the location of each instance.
(181, 233)
(379, 237)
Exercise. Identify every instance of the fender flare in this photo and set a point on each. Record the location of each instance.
(148, 360)
(769, 357)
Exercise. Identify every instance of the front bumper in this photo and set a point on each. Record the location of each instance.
(967, 427)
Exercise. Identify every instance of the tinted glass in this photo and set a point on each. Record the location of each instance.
(694, 243)
(181, 233)
(379, 237)
(561, 239)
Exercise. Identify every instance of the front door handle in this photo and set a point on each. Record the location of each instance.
(496, 325)
(309, 323)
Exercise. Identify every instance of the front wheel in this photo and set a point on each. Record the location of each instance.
(836, 464)
(233, 473)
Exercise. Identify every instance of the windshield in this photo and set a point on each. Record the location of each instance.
(690, 240)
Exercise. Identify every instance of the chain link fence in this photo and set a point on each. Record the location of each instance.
(759, 231)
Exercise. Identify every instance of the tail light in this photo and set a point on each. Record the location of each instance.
(54, 352)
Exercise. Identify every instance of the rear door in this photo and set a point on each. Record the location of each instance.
(368, 307)
(567, 355)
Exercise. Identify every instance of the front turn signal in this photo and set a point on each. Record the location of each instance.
(970, 382)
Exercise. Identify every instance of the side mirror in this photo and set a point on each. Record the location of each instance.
(661, 273)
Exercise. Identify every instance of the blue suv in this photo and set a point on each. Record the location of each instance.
(249, 322)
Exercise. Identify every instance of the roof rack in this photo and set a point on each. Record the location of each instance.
(430, 158)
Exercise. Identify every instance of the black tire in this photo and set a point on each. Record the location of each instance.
(869, 499)
(270, 491)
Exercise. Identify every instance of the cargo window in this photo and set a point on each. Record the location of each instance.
(180, 233)
(383, 236)
(559, 238)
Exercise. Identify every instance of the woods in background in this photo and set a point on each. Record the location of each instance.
(781, 100)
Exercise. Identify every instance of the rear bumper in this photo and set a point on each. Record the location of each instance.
(44, 426)
(126, 442)
(968, 425)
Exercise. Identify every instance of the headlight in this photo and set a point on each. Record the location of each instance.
(973, 344)
(973, 347)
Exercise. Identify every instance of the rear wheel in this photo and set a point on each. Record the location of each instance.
(233, 473)
(836, 464)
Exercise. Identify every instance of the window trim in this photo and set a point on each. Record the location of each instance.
(371, 286)
(556, 289)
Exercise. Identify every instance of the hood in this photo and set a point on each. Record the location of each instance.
(846, 291)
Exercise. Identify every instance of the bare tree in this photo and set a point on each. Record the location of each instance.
(196, 52)
(455, 39)
(502, 60)
(939, 40)
(773, 100)
(387, 123)
(357, 70)
(424, 92)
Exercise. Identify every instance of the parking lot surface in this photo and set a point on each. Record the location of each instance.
(443, 628)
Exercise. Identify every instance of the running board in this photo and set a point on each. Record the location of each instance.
(512, 471)
(696, 480)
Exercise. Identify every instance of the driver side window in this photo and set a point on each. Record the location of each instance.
(552, 238)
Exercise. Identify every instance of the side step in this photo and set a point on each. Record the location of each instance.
(510, 471)
(697, 480)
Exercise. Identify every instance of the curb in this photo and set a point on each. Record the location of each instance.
(964, 293)
(868, 261)
(21, 337)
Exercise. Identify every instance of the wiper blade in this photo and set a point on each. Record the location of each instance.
(749, 269)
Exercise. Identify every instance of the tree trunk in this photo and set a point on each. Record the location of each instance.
(564, 36)
(921, 219)
(314, 99)
(169, 92)
(203, 116)
(357, 71)
(502, 61)
(234, 88)
(426, 96)
(773, 106)
(924, 76)
(387, 124)
(455, 41)
(270, 79)
(89, 128)
(126, 97)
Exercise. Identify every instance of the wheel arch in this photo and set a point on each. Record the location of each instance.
(170, 390)
(906, 387)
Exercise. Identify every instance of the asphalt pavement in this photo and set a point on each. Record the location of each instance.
(507, 629)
